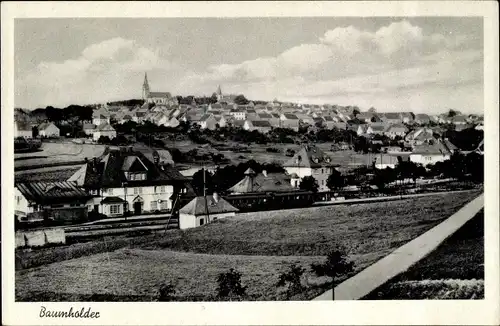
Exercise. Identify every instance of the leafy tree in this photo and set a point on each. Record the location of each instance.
(241, 100)
(292, 279)
(452, 113)
(166, 292)
(197, 182)
(335, 180)
(309, 183)
(104, 140)
(335, 265)
(383, 177)
(229, 284)
(372, 110)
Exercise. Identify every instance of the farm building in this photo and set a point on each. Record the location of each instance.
(104, 130)
(203, 210)
(420, 136)
(58, 201)
(262, 182)
(262, 126)
(89, 128)
(438, 151)
(22, 129)
(386, 161)
(396, 130)
(48, 129)
(310, 161)
(142, 185)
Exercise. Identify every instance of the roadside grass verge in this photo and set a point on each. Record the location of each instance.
(455, 270)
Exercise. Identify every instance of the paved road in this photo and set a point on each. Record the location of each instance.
(402, 258)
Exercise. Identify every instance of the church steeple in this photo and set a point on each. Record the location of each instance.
(145, 87)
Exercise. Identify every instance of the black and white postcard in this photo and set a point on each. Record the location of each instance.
(250, 163)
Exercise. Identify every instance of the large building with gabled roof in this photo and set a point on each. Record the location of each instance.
(126, 180)
(164, 98)
(310, 160)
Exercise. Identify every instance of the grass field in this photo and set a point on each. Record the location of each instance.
(259, 245)
(52, 152)
(56, 173)
(141, 272)
(454, 270)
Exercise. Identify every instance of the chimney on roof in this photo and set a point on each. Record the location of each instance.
(216, 197)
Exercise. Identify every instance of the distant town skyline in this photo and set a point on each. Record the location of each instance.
(425, 65)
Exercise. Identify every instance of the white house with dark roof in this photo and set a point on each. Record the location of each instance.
(437, 151)
(105, 130)
(203, 210)
(262, 126)
(126, 180)
(22, 129)
(395, 130)
(48, 129)
(310, 161)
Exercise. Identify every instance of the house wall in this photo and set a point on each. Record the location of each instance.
(21, 204)
(187, 221)
(148, 195)
(23, 133)
(99, 121)
(320, 174)
(50, 131)
(97, 134)
(428, 159)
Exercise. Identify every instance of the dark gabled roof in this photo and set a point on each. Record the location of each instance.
(261, 123)
(290, 116)
(109, 200)
(21, 125)
(265, 116)
(160, 94)
(105, 127)
(51, 192)
(309, 157)
(438, 148)
(200, 205)
(108, 171)
(263, 183)
(392, 116)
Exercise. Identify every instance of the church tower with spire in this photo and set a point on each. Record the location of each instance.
(145, 87)
(219, 94)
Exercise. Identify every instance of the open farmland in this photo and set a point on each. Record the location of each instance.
(141, 272)
(57, 152)
(55, 173)
(259, 245)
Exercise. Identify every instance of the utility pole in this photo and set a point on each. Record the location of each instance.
(205, 195)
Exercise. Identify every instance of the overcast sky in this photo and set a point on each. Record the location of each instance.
(393, 64)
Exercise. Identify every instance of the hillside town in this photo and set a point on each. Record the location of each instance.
(314, 171)
(128, 180)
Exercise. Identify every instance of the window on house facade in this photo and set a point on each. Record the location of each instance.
(164, 205)
(154, 205)
(115, 209)
(110, 191)
(162, 189)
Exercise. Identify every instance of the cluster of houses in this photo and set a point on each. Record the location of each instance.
(127, 180)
